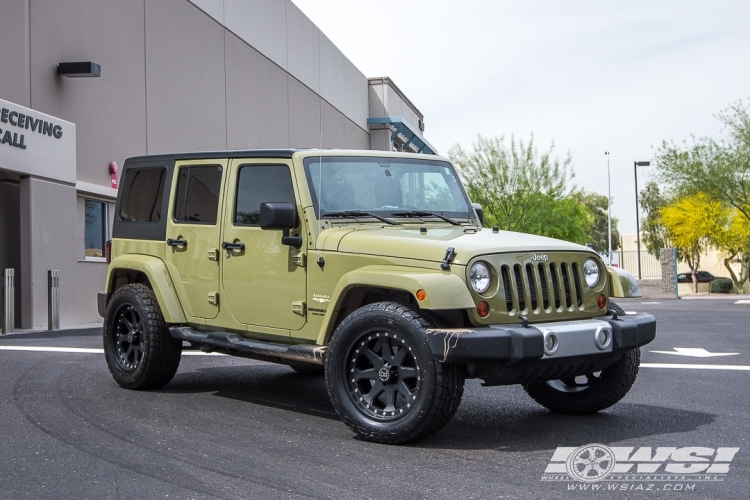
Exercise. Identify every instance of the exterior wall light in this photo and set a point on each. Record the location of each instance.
(79, 69)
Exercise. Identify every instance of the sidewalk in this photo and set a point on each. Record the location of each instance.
(62, 331)
(716, 296)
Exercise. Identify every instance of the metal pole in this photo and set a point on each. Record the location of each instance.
(637, 219)
(8, 295)
(609, 211)
(676, 284)
(53, 300)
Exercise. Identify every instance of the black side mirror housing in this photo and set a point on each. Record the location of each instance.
(280, 215)
(480, 212)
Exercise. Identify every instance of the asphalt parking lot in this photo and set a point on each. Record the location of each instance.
(235, 428)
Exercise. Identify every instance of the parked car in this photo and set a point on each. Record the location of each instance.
(703, 277)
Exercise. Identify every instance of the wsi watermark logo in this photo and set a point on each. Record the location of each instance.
(662, 468)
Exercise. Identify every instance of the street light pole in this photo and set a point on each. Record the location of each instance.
(609, 211)
(637, 164)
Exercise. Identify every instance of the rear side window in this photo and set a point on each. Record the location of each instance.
(197, 195)
(142, 194)
(261, 184)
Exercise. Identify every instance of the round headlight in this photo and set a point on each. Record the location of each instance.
(591, 272)
(479, 276)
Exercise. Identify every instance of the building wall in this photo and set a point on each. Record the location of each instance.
(48, 211)
(281, 32)
(177, 75)
(175, 78)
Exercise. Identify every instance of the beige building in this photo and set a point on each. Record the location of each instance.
(158, 76)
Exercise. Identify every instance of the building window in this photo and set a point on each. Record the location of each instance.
(95, 232)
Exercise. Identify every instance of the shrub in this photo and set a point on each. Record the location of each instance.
(720, 285)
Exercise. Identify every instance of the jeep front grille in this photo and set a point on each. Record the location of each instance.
(544, 287)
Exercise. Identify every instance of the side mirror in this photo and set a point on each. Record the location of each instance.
(480, 212)
(280, 215)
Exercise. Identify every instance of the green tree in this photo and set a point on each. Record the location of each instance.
(521, 190)
(690, 222)
(652, 200)
(718, 168)
(596, 204)
(730, 233)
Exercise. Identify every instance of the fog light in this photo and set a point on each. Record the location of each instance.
(551, 342)
(421, 294)
(603, 337)
(601, 301)
(483, 309)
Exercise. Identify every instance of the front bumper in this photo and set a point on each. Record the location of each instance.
(506, 344)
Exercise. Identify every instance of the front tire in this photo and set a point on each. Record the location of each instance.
(140, 352)
(383, 380)
(578, 397)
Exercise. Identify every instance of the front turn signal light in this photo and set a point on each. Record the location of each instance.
(601, 301)
(421, 294)
(483, 309)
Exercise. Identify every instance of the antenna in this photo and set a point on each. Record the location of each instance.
(320, 169)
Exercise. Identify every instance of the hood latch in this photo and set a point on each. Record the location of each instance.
(450, 254)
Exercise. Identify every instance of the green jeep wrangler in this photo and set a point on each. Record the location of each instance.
(372, 267)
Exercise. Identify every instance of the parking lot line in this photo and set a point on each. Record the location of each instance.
(743, 301)
(696, 367)
(88, 350)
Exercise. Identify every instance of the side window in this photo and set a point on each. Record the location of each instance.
(197, 194)
(142, 194)
(260, 184)
(95, 229)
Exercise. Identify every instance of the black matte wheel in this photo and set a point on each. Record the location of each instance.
(589, 393)
(140, 352)
(383, 380)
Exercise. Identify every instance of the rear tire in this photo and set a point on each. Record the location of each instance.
(140, 352)
(383, 380)
(598, 392)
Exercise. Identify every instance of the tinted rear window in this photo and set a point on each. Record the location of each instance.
(197, 195)
(142, 194)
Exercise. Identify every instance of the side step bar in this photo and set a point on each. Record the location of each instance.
(234, 344)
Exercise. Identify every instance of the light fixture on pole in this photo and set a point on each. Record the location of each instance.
(609, 212)
(637, 164)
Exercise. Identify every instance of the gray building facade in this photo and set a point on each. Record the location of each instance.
(176, 75)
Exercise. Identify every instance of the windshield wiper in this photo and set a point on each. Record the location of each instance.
(424, 213)
(358, 213)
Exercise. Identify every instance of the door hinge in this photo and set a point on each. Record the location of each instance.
(213, 298)
(300, 259)
(298, 307)
(213, 254)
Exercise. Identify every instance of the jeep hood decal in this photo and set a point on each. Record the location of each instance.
(410, 244)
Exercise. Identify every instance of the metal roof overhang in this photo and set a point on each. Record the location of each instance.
(401, 126)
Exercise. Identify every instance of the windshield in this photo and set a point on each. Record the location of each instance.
(385, 186)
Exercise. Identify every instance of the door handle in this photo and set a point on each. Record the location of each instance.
(176, 243)
(233, 246)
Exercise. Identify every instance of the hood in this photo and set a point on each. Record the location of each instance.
(409, 243)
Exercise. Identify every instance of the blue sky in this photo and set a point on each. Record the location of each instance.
(590, 76)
